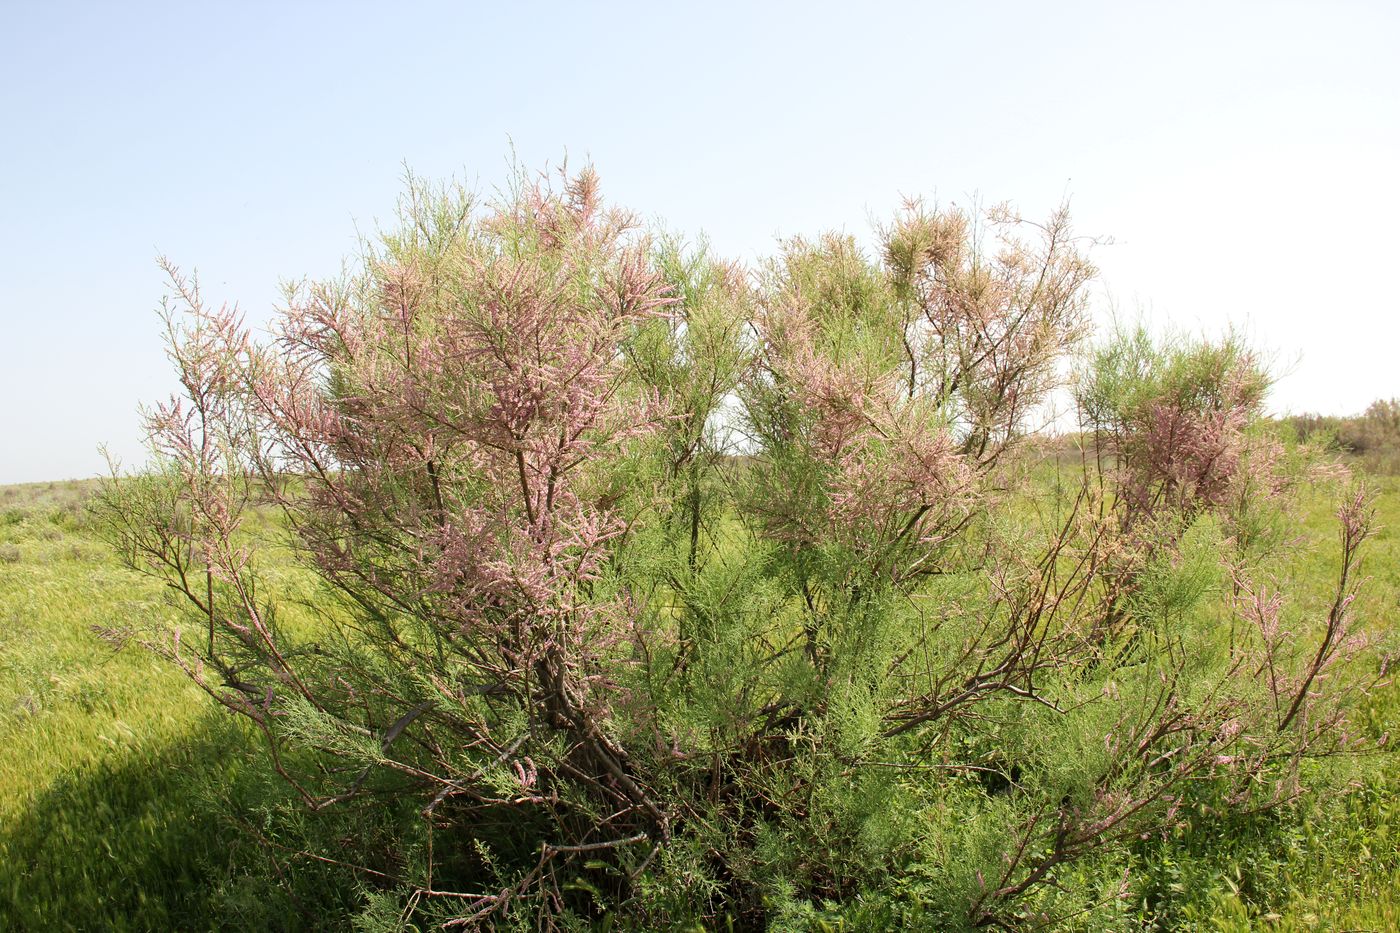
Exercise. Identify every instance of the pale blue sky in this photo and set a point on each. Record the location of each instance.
(1243, 156)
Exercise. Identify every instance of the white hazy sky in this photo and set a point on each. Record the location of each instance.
(1243, 157)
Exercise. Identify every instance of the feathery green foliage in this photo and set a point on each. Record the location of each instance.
(563, 577)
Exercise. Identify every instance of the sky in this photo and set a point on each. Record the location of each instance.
(1239, 161)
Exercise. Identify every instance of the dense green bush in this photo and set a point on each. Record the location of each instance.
(651, 591)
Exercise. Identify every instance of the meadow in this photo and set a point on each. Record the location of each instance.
(128, 801)
(123, 787)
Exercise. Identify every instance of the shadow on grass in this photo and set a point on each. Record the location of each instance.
(161, 841)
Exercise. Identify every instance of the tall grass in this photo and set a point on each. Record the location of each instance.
(119, 785)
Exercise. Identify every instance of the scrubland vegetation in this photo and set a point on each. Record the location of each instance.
(1371, 439)
(545, 575)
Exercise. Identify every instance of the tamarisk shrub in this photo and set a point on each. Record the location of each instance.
(655, 589)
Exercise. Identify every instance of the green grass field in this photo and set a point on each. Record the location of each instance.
(122, 786)
(128, 801)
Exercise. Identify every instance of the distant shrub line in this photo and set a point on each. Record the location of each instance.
(1372, 437)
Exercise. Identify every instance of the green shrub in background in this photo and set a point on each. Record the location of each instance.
(1372, 438)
